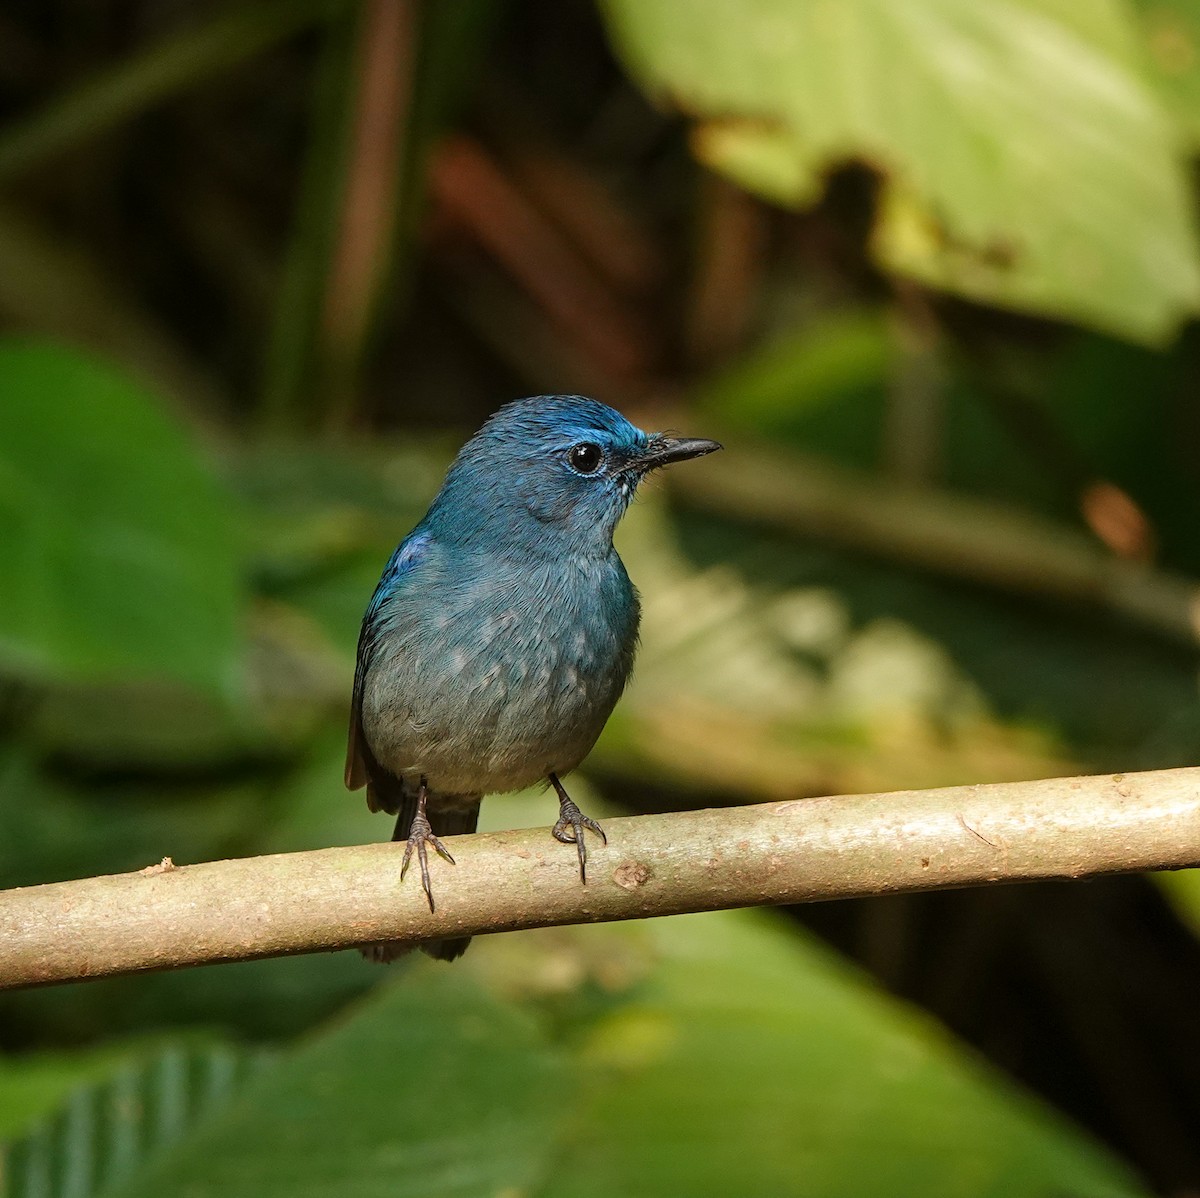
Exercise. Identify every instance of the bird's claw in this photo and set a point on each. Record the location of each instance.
(420, 835)
(569, 830)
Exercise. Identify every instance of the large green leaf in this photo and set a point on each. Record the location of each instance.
(433, 1089)
(120, 553)
(1026, 161)
(34, 1086)
(753, 1064)
(135, 1106)
(706, 1055)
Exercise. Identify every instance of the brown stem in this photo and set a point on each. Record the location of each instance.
(472, 187)
(789, 852)
(384, 70)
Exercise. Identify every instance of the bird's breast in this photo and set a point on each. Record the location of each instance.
(499, 674)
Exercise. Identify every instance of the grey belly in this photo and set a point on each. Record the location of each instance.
(494, 717)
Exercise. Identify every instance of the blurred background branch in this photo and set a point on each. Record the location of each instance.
(987, 543)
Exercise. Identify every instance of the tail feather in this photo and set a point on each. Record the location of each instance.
(454, 821)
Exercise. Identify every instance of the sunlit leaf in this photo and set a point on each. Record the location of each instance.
(1182, 891)
(1025, 160)
(1172, 32)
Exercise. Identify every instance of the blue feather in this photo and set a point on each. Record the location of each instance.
(504, 627)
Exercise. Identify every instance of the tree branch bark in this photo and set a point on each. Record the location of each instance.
(770, 853)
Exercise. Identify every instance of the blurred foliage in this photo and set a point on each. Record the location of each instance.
(1172, 33)
(261, 272)
(133, 1107)
(122, 551)
(1024, 159)
(584, 1067)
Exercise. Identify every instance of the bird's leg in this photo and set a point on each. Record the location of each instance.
(571, 823)
(419, 835)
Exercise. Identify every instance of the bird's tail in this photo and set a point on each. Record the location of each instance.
(458, 821)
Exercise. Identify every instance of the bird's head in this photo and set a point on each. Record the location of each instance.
(551, 469)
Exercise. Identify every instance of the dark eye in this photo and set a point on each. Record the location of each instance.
(585, 457)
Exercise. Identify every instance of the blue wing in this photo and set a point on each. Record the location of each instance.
(407, 557)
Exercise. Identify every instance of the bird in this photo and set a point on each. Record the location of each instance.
(503, 629)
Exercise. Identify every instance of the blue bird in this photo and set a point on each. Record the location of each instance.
(504, 627)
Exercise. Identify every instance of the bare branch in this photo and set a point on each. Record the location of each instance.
(941, 531)
(790, 852)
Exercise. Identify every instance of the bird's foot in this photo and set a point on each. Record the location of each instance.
(420, 835)
(570, 826)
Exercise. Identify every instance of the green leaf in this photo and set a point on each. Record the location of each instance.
(823, 387)
(750, 1063)
(121, 559)
(432, 1089)
(1182, 890)
(107, 1131)
(761, 157)
(1172, 33)
(34, 1085)
(1025, 160)
(705, 1055)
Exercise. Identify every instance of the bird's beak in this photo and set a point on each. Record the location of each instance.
(664, 450)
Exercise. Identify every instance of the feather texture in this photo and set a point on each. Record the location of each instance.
(504, 627)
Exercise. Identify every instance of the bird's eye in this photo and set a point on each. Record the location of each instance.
(585, 457)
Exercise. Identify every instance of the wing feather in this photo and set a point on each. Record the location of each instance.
(409, 554)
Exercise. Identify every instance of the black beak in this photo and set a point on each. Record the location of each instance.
(664, 450)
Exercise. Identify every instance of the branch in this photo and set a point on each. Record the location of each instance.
(947, 533)
(789, 852)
